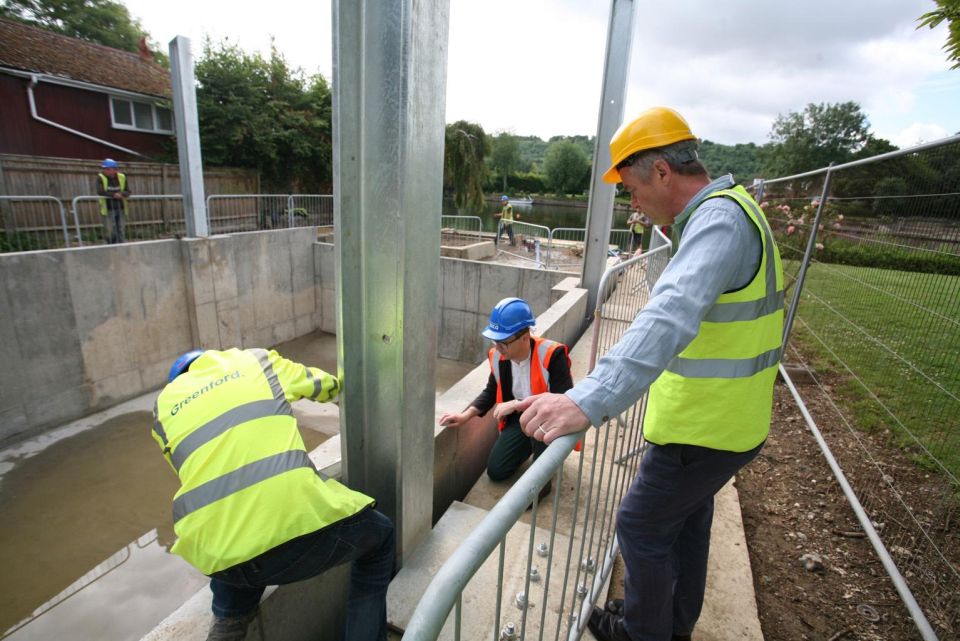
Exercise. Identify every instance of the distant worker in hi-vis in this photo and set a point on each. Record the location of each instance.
(506, 221)
(252, 509)
(113, 189)
(707, 346)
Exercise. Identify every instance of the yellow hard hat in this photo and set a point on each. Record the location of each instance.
(656, 127)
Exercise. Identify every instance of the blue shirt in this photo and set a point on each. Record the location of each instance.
(719, 251)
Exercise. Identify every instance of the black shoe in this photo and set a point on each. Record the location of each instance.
(607, 626)
(615, 606)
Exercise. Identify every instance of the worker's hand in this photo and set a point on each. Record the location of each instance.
(454, 420)
(638, 252)
(503, 410)
(547, 417)
(117, 195)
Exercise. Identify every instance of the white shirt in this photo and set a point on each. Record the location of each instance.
(521, 378)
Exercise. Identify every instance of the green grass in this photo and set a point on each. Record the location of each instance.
(899, 333)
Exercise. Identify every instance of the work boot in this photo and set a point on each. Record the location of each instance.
(230, 628)
(615, 606)
(607, 626)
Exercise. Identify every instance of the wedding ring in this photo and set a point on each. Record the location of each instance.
(540, 428)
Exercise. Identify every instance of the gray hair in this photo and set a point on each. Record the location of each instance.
(681, 156)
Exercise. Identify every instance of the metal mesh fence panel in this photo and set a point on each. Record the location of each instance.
(877, 324)
(32, 222)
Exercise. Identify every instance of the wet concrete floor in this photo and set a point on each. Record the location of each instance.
(86, 518)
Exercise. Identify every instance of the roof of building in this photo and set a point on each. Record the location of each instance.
(29, 48)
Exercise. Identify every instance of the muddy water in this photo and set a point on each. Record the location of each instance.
(85, 519)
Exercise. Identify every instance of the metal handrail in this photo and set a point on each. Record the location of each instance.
(143, 197)
(444, 592)
(63, 218)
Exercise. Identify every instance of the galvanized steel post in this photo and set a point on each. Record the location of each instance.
(188, 137)
(600, 206)
(389, 88)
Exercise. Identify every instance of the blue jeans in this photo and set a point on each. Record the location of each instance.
(663, 527)
(366, 539)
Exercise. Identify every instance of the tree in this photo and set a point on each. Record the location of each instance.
(948, 10)
(821, 134)
(465, 148)
(102, 21)
(741, 160)
(261, 114)
(506, 156)
(567, 167)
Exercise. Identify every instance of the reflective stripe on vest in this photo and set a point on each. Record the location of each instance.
(122, 182)
(539, 373)
(718, 391)
(248, 484)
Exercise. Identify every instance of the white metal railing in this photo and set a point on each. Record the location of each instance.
(568, 558)
(469, 226)
(149, 217)
(37, 223)
(310, 210)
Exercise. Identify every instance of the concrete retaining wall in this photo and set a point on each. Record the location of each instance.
(469, 290)
(83, 329)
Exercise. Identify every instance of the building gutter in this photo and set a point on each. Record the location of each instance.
(35, 80)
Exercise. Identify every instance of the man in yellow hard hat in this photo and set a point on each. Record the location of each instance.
(707, 346)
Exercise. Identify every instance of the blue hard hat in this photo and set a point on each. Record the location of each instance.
(508, 317)
(109, 163)
(504, 197)
(183, 363)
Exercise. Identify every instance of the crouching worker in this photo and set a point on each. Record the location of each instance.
(252, 510)
(521, 365)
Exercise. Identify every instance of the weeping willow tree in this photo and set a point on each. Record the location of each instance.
(464, 170)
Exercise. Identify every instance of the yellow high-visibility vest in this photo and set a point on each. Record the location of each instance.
(247, 484)
(122, 179)
(506, 214)
(718, 392)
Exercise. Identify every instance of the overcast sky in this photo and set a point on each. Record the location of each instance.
(534, 67)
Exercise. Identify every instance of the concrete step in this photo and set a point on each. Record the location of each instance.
(479, 597)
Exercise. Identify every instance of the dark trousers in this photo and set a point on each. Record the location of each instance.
(113, 226)
(663, 527)
(365, 539)
(509, 228)
(511, 449)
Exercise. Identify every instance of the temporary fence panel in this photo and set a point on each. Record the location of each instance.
(875, 245)
(148, 218)
(310, 210)
(228, 213)
(532, 240)
(32, 222)
(555, 574)
(459, 229)
(565, 248)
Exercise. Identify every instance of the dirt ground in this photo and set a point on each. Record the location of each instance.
(792, 506)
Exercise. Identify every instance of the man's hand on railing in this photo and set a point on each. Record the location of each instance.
(547, 417)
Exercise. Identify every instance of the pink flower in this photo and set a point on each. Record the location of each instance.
(839, 217)
(819, 246)
(786, 209)
(790, 229)
(764, 204)
(815, 203)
